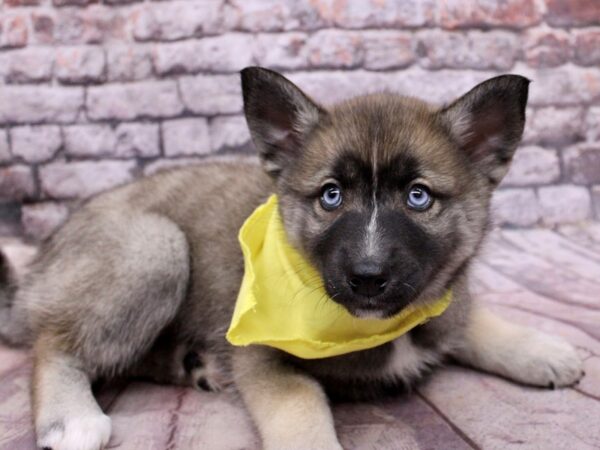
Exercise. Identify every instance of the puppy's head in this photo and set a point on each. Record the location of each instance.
(386, 195)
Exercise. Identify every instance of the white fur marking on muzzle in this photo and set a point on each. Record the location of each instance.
(372, 238)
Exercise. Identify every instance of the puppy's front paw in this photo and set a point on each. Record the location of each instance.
(85, 432)
(303, 445)
(204, 372)
(546, 361)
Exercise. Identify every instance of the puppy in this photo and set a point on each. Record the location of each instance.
(385, 195)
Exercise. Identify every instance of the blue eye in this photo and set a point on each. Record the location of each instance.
(331, 197)
(419, 198)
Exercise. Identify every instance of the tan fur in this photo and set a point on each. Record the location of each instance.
(289, 408)
(66, 415)
(518, 353)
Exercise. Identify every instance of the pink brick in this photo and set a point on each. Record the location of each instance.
(228, 132)
(582, 163)
(596, 200)
(587, 46)
(516, 207)
(184, 137)
(137, 139)
(80, 64)
(83, 179)
(29, 65)
(572, 12)
(565, 85)
(129, 62)
(334, 49)
(130, 101)
(89, 140)
(555, 126)
(40, 220)
(36, 144)
(3, 68)
(564, 204)
(473, 50)
(282, 50)
(387, 49)
(22, 2)
(13, 30)
(43, 24)
(31, 104)
(435, 86)
(533, 165)
(73, 2)
(227, 53)
(92, 25)
(123, 141)
(4, 148)
(177, 19)
(546, 47)
(370, 14)
(330, 87)
(475, 13)
(217, 94)
(592, 124)
(16, 183)
(280, 15)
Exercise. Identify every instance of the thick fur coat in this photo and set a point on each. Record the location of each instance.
(386, 195)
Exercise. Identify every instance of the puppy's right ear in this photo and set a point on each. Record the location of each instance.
(280, 117)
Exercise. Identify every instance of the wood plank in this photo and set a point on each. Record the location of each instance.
(583, 319)
(486, 411)
(485, 279)
(587, 235)
(148, 416)
(517, 296)
(541, 276)
(16, 432)
(558, 250)
(496, 413)
(406, 422)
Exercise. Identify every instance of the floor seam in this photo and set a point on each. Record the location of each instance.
(174, 420)
(470, 442)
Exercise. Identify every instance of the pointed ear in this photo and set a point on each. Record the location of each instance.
(488, 121)
(280, 116)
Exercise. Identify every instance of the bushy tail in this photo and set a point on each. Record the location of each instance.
(12, 331)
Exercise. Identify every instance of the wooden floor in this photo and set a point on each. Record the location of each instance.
(547, 279)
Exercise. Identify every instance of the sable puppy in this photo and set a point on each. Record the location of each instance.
(387, 196)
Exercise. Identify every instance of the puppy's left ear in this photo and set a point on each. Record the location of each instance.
(280, 117)
(488, 121)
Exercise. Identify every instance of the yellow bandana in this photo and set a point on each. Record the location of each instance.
(283, 304)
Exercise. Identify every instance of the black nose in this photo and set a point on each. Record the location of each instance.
(367, 279)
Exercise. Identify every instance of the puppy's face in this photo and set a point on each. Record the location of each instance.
(387, 196)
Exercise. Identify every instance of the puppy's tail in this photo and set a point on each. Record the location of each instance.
(12, 331)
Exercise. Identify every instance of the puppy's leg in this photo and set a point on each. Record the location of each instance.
(67, 415)
(98, 309)
(519, 353)
(289, 408)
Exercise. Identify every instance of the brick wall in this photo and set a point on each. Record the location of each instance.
(95, 94)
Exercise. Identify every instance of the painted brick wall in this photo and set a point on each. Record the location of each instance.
(94, 94)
